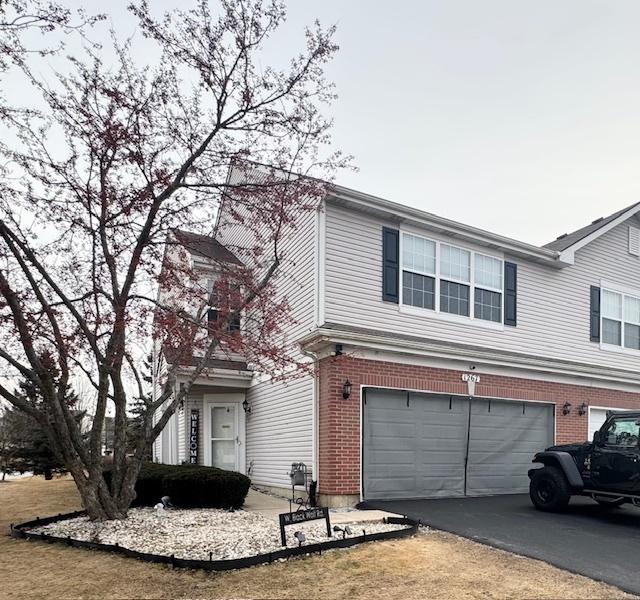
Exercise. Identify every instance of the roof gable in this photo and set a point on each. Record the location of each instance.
(570, 242)
(204, 246)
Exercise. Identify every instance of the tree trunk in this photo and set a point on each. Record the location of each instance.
(48, 474)
(97, 499)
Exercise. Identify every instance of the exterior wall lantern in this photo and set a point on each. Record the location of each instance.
(346, 389)
(582, 409)
(566, 409)
(246, 406)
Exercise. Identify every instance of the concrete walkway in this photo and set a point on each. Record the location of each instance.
(271, 506)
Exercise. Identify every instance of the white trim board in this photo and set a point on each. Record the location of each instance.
(482, 368)
(364, 341)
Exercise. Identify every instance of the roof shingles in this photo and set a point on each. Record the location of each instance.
(569, 239)
(205, 246)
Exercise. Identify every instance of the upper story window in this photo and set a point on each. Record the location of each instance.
(620, 319)
(219, 303)
(449, 279)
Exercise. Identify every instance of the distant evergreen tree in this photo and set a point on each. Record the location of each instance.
(138, 409)
(24, 445)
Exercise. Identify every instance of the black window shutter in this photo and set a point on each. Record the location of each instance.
(510, 293)
(390, 264)
(595, 314)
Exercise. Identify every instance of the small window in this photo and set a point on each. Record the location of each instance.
(455, 263)
(418, 290)
(611, 332)
(631, 336)
(611, 318)
(418, 254)
(488, 305)
(611, 305)
(488, 272)
(454, 298)
(620, 319)
(213, 314)
(220, 304)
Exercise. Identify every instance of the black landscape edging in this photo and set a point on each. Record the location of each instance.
(19, 531)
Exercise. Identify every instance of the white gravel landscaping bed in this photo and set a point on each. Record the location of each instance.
(194, 533)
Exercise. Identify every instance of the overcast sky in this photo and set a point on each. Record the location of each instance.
(522, 118)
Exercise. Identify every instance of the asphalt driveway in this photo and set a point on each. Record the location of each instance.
(601, 544)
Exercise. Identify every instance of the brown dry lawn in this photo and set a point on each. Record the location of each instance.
(431, 565)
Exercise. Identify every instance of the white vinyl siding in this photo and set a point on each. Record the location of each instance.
(553, 304)
(279, 429)
(280, 426)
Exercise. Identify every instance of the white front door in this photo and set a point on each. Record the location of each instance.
(224, 436)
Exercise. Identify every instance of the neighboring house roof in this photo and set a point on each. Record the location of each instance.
(205, 246)
(599, 226)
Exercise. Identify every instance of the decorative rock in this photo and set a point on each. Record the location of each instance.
(199, 533)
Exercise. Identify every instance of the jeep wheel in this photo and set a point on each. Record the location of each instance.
(549, 489)
(605, 503)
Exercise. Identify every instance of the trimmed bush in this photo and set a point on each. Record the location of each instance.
(189, 486)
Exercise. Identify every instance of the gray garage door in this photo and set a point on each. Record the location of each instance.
(428, 446)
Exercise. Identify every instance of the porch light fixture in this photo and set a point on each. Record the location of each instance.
(346, 389)
(566, 409)
(582, 409)
(246, 406)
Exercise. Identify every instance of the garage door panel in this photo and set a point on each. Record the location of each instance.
(503, 437)
(391, 457)
(391, 487)
(430, 429)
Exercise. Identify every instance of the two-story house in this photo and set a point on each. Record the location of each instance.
(445, 355)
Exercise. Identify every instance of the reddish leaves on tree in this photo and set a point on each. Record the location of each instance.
(102, 172)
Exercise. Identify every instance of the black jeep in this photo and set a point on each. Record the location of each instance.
(606, 469)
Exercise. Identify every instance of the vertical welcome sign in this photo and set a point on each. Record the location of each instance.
(194, 431)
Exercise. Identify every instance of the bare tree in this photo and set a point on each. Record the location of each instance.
(116, 158)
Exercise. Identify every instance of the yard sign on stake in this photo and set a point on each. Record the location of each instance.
(312, 514)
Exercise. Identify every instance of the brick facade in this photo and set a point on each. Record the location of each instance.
(339, 419)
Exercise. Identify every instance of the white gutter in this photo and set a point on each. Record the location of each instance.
(400, 213)
(325, 338)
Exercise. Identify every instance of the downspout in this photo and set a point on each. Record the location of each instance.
(314, 418)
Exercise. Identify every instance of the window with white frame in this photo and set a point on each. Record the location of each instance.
(217, 305)
(418, 271)
(620, 319)
(449, 279)
(488, 288)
